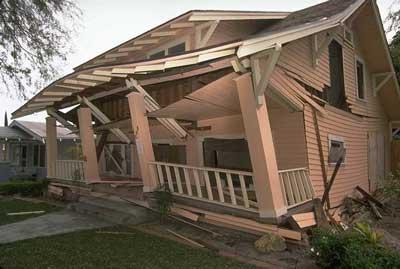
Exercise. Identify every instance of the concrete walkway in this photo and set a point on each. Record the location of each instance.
(50, 224)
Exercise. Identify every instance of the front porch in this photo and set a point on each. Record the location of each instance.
(217, 146)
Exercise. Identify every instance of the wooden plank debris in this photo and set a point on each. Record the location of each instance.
(184, 213)
(194, 243)
(26, 213)
(305, 220)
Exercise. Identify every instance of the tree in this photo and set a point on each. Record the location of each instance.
(34, 39)
(395, 52)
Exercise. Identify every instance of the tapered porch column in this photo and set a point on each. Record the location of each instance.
(262, 152)
(51, 146)
(91, 167)
(144, 146)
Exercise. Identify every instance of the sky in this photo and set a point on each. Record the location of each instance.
(105, 24)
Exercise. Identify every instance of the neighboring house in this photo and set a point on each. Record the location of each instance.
(236, 111)
(23, 149)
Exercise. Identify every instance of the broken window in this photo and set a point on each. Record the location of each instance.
(177, 49)
(336, 94)
(360, 79)
(336, 149)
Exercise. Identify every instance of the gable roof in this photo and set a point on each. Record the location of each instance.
(7, 132)
(299, 24)
(37, 130)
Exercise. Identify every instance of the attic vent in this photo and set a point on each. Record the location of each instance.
(348, 36)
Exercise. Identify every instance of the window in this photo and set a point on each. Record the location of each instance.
(171, 49)
(360, 79)
(157, 55)
(180, 48)
(39, 153)
(336, 94)
(337, 149)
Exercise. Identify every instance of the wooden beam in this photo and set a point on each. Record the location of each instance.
(95, 78)
(182, 25)
(116, 55)
(108, 74)
(238, 66)
(71, 87)
(56, 93)
(377, 86)
(132, 48)
(123, 71)
(40, 104)
(58, 116)
(48, 99)
(112, 125)
(104, 119)
(108, 60)
(261, 76)
(80, 82)
(100, 145)
(146, 41)
(164, 33)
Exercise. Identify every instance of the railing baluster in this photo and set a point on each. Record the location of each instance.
(169, 178)
(178, 180)
(208, 185)
(231, 189)
(219, 187)
(295, 187)
(283, 189)
(244, 191)
(289, 189)
(300, 183)
(187, 181)
(160, 174)
(197, 182)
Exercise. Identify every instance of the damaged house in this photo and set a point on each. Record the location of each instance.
(235, 112)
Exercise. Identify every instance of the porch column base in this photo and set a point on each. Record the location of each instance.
(272, 214)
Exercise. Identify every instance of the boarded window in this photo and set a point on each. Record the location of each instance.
(336, 150)
(360, 80)
(336, 94)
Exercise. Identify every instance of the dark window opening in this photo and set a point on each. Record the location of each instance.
(180, 48)
(36, 155)
(336, 150)
(157, 55)
(360, 80)
(336, 94)
(42, 156)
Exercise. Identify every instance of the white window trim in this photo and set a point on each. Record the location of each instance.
(347, 29)
(359, 59)
(168, 45)
(338, 139)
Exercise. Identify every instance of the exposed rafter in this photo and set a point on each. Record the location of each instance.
(80, 82)
(94, 77)
(151, 105)
(57, 115)
(104, 119)
(376, 84)
(182, 25)
(262, 65)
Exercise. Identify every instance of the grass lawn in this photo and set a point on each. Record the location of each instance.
(10, 205)
(90, 249)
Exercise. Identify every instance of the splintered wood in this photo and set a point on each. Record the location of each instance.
(235, 223)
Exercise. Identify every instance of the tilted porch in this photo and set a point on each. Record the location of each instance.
(273, 179)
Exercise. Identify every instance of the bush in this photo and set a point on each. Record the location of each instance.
(24, 187)
(351, 249)
(390, 185)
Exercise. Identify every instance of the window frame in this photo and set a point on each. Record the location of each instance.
(360, 60)
(342, 45)
(168, 45)
(336, 139)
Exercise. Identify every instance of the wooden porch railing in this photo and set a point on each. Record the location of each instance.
(228, 187)
(69, 170)
(296, 186)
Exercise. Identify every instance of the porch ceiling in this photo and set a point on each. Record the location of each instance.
(216, 99)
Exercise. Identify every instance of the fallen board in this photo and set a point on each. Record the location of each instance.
(305, 220)
(241, 224)
(184, 213)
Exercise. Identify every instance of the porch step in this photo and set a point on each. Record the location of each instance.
(112, 209)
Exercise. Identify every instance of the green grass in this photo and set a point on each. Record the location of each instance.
(9, 205)
(89, 249)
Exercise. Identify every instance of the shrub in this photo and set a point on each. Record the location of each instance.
(24, 187)
(390, 185)
(164, 200)
(351, 249)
